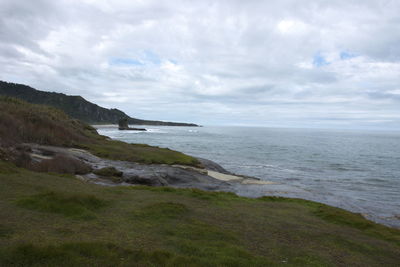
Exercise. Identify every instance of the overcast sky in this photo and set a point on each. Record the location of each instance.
(287, 63)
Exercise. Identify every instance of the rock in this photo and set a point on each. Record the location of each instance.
(141, 174)
(164, 175)
(212, 166)
(146, 180)
(123, 125)
(61, 164)
(23, 148)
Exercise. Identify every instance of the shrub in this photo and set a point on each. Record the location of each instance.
(108, 172)
(62, 164)
(22, 160)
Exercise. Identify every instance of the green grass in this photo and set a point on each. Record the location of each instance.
(7, 168)
(344, 218)
(82, 254)
(140, 153)
(215, 197)
(44, 223)
(160, 211)
(5, 232)
(75, 206)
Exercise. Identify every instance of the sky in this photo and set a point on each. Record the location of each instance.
(286, 63)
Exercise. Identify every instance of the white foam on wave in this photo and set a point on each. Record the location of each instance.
(155, 130)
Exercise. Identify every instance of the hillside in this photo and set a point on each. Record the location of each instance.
(21, 122)
(75, 106)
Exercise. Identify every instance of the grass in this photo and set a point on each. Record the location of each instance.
(5, 232)
(160, 211)
(29, 123)
(344, 218)
(140, 153)
(44, 222)
(81, 254)
(75, 206)
(215, 197)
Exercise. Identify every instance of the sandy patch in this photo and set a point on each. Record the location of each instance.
(223, 177)
(234, 178)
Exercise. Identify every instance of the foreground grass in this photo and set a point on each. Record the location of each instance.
(70, 205)
(57, 220)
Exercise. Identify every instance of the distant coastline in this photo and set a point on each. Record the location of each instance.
(76, 106)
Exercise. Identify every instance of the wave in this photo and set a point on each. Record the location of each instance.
(376, 180)
(155, 130)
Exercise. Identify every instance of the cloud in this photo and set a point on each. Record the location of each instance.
(270, 63)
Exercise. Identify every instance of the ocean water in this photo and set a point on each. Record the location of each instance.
(355, 170)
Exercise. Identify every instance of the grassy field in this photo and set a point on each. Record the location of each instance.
(58, 220)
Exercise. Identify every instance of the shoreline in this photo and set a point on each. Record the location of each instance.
(314, 188)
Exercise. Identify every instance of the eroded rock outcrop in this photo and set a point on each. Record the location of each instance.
(112, 172)
(123, 125)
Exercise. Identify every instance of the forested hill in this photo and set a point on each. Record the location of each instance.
(75, 106)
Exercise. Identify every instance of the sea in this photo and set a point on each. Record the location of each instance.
(356, 170)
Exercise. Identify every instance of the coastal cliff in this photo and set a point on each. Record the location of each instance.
(76, 106)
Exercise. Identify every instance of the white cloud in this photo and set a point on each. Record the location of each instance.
(288, 26)
(288, 62)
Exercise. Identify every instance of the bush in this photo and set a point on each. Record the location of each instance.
(62, 164)
(108, 172)
(22, 160)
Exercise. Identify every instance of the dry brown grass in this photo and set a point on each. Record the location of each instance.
(21, 122)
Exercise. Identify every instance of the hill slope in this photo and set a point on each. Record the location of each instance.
(21, 122)
(75, 106)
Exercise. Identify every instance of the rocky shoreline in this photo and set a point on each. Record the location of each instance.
(113, 172)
